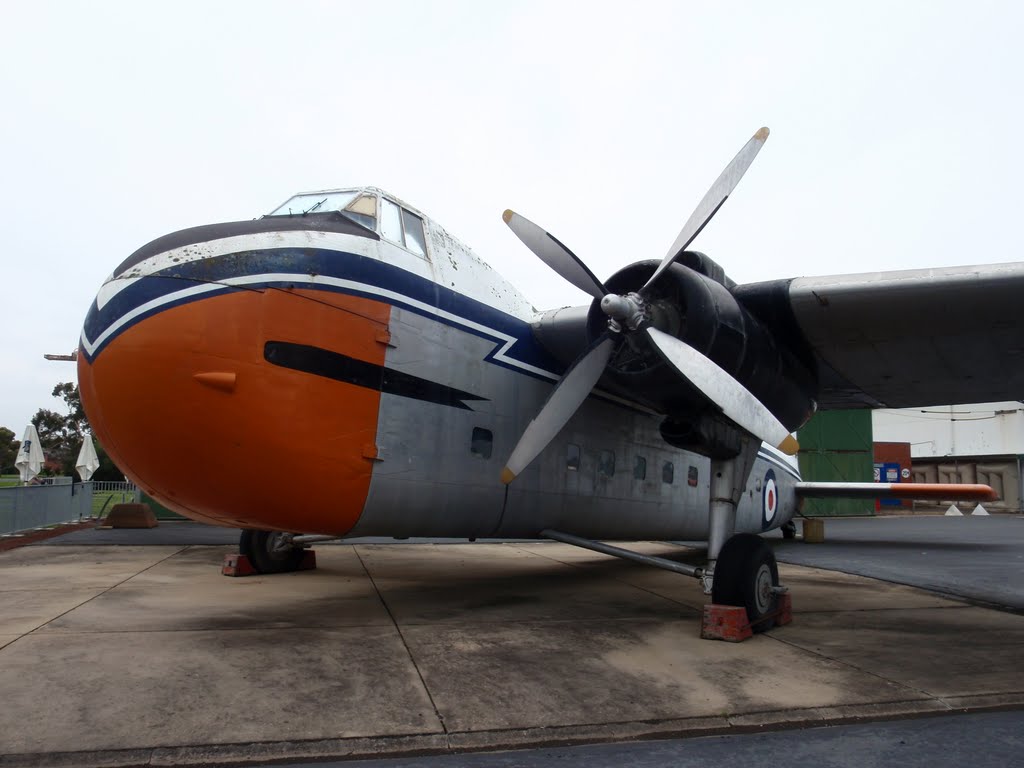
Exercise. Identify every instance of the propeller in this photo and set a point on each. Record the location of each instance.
(630, 313)
(713, 199)
(555, 255)
(561, 404)
(731, 397)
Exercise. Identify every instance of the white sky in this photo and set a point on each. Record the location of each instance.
(895, 135)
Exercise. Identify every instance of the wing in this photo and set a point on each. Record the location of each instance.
(903, 339)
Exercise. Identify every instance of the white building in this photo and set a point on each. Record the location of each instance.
(980, 443)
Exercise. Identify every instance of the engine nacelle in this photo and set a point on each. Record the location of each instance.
(703, 313)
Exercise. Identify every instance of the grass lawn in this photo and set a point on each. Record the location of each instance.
(104, 501)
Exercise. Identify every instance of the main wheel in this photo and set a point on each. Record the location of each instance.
(259, 547)
(745, 575)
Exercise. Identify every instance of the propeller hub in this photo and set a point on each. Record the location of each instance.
(629, 310)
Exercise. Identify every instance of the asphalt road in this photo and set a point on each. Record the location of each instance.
(978, 558)
(986, 740)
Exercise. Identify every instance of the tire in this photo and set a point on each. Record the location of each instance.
(789, 530)
(745, 572)
(258, 547)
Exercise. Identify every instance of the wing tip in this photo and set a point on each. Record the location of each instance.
(789, 446)
(507, 475)
(762, 134)
(507, 215)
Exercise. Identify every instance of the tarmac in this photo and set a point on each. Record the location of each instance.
(126, 655)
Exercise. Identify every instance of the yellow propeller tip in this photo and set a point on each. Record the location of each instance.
(507, 475)
(789, 446)
(762, 134)
(507, 216)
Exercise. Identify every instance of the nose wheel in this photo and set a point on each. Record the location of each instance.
(747, 575)
(270, 551)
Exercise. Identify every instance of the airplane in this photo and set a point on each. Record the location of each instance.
(344, 367)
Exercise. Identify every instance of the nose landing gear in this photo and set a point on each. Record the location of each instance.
(271, 551)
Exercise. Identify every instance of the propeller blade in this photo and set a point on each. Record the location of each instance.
(561, 404)
(551, 251)
(734, 400)
(712, 201)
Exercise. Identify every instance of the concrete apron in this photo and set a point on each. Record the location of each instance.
(129, 655)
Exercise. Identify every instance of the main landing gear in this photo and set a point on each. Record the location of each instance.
(741, 566)
(741, 570)
(747, 575)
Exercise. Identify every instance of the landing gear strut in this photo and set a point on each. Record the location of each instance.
(270, 551)
(741, 567)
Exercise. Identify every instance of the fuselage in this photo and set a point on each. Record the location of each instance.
(364, 373)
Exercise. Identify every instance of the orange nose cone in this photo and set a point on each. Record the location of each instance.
(188, 407)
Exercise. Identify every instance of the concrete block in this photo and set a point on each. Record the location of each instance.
(814, 530)
(130, 516)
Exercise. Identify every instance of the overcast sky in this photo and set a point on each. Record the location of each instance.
(895, 135)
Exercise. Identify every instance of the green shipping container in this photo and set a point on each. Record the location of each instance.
(837, 446)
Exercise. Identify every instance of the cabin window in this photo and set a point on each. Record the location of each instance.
(572, 457)
(668, 473)
(639, 468)
(482, 443)
(606, 464)
(691, 477)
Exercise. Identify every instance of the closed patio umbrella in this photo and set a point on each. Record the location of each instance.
(87, 461)
(30, 455)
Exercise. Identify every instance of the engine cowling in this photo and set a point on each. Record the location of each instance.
(703, 313)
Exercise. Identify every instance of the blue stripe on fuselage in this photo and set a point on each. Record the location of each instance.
(303, 266)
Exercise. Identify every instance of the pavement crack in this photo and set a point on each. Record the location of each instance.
(408, 650)
(99, 594)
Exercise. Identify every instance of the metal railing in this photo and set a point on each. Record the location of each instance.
(107, 493)
(23, 508)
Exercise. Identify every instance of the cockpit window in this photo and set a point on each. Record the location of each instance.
(403, 227)
(318, 202)
(361, 208)
(391, 222)
(414, 240)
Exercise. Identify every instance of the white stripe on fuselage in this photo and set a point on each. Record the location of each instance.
(508, 302)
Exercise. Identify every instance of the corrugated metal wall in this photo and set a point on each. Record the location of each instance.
(837, 446)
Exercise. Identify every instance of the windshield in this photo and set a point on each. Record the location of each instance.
(317, 202)
(361, 209)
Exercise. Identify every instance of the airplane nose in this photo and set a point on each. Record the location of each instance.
(184, 399)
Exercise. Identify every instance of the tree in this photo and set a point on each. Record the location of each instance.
(61, 436)
(8, 450)
(59, 441)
